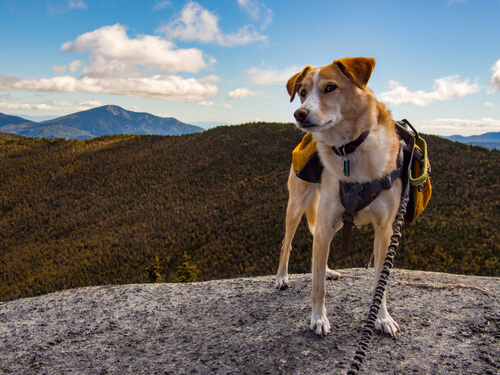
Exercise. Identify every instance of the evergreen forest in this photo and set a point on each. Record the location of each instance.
(118, 209)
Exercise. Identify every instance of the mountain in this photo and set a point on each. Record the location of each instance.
(489, 140)
(11, 120)
(105, 120)
(14, 124)
(77, 213)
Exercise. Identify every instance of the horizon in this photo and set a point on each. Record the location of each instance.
(228, 62)
(206, 125)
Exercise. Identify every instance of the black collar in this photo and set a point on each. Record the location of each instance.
(350, 147)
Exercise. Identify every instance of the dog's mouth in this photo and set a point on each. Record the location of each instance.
(308, 126)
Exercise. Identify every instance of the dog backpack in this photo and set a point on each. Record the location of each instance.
(305, 160)
(417, 169)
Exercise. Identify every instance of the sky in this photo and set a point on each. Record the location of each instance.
(228, 61)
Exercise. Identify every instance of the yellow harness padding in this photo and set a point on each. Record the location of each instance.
(303, 152)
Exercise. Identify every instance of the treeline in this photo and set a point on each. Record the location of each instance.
(103, 211)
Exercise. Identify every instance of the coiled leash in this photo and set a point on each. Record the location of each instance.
(369, 326)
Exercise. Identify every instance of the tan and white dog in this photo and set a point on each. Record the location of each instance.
(337, 107)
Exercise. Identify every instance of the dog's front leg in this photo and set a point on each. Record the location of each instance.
(303, 196)
(328, 224)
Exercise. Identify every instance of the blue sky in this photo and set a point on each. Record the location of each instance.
(227, 61)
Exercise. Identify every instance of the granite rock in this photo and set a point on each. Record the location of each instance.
(450, 324)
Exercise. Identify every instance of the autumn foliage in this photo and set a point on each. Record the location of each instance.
(107, 210)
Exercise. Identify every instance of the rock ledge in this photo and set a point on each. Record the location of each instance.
(450, 325)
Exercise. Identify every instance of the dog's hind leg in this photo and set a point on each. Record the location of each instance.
(303, 197)
(383, 233)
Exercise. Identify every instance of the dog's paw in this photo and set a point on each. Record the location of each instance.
(282, 282)
(386, 324)
(320, 325)
(331, 274)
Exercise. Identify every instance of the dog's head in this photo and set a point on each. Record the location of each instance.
(331, 93)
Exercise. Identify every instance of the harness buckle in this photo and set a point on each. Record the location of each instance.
(347, 218)
(342, 150)
(387, 182)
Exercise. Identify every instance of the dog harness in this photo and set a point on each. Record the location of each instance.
(412, 164)
(356, 196)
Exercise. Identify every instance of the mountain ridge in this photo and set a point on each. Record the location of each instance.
(95, 212)
(95, 122)
(489, 140)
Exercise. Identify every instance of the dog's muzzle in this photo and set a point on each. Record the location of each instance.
(301, 117)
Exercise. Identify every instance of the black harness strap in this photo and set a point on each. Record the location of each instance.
(356, 196)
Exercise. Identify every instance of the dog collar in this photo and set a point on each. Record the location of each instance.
(351, 147)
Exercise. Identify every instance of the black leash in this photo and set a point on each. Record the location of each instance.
(380, 289)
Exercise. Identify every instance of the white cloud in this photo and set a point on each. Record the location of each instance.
(226, 106)
(112, 53)
(206, 103)
(260, 76)
(243, 93)
(196, 23)
(257, 11)
(60, 69)
(161, 5)
(55, 107)
(452, 126)
(489, 104)
(77, 4)
(495, 78)
(166, 87)
(445, 89)
(92, 103)
(120, 65)
(72, 67)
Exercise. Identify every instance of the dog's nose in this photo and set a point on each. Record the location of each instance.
(301, 114)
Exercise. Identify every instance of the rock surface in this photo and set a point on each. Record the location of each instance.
(450, 324)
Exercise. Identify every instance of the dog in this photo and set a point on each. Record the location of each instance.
(337, 108)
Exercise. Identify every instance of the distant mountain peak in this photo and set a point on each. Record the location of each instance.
(105, 120)
(489, 140)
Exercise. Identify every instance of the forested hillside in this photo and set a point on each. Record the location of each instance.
(90, 212)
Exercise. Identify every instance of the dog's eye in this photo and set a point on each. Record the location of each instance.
(303, 93)
(330, 88)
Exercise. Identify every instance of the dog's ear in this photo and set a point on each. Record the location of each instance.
(294, 82)
(358, 69)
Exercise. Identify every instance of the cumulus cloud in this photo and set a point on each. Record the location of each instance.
(120, 65)
(259, 76)
(226, 106)
(495, 78)
(72, 67)
(257, 11)
(168, 87)
(50, 106)
(196, 23)
(243, 93)
(444, 89)
(161, 5)
(112, 53)
(452, 126)
(206, 103)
